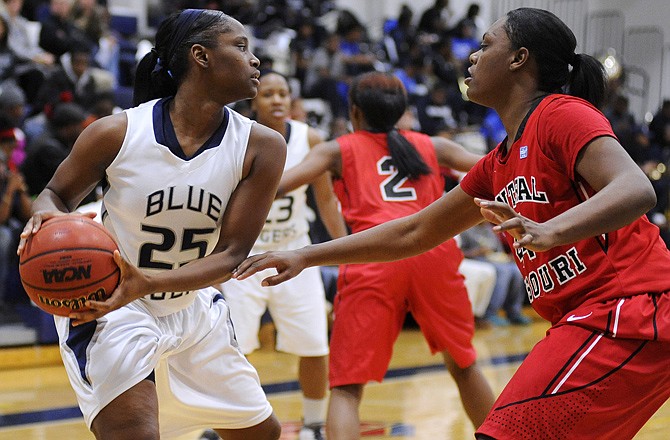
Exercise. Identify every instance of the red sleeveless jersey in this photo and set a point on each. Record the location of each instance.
(538, 179)
(370, 190)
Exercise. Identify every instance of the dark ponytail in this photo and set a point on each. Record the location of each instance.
(383, 100)
(552, 44)
(587, 79)
(161, 71)
(404, 156)
(150, 82)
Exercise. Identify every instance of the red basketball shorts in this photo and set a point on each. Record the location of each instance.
(589, 378)
(373, 300)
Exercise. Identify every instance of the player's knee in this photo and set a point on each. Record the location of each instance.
(271, 428)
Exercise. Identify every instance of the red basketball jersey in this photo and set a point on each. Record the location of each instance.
(537, 178)
(371, 191)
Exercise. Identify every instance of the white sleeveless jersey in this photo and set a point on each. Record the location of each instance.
(287, 219)
(163, 209)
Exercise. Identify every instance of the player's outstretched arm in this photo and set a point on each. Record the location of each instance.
(453, 155)
(323, 157)
(394, 240)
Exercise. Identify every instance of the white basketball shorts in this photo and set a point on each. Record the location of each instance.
(297, 307)
(202, 378)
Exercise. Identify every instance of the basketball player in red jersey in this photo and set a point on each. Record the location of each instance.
(573, 204)
(382, 174)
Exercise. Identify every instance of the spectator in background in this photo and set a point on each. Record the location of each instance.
(75, 79)
(13, 107)
(92, 18)
(659, 131)
(463, 43)
(15, 207)
(59, 34)
(20, 40)
(434, 21)
(325, 76)
(435, 114)
(30, 9)
(480, 278)
(46, 152)
(446, 67)
(413, 76)
(492, 129)
(658, 159)
(103, 105)
(509, 292)
(9, 60)
(303, 46)
(13, 67)
(471, 21)
(403, 34)
(358, 56)
(631, 135)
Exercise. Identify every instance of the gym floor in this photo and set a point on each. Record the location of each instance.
(417, 400)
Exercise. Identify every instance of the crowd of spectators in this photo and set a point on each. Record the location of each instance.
(62, 65)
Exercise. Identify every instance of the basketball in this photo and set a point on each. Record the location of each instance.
(67, 262)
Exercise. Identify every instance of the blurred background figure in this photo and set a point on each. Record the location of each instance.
(509, 292)
(47, 151)
(15, 204)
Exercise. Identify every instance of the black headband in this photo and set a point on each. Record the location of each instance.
(183, 25)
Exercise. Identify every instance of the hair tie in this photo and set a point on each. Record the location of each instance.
(160, 65)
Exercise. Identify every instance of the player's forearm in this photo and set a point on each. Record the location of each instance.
(614, 207)
(48, 200)
(209, 271)
(390, 241)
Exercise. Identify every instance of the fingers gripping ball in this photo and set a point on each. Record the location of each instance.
(68, 261)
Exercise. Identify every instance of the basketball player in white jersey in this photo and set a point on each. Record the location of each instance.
(190, 183)
(298, 308)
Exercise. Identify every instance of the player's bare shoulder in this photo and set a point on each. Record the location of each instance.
(107, 132)
(101, 141)
(266, 142)
(267, 137)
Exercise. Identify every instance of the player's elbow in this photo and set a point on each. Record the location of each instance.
(648, 200)
(646, 197)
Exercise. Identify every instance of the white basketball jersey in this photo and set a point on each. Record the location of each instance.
(166, 210)
(287, 219)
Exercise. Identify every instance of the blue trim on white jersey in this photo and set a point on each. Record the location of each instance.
(165, 134)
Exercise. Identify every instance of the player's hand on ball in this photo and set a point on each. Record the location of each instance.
(133, 285)
(527, 233)
(35, 222)
(288, 265)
